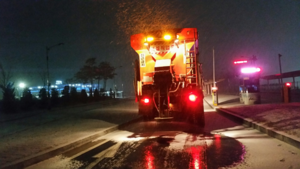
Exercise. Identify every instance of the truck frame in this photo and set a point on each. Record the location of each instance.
(168, 77)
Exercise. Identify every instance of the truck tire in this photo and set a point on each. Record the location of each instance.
(146, 117)
(198, 116)
(147, 113)
(198, 119)
(201, 120)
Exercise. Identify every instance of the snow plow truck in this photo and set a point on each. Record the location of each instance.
(168, 77)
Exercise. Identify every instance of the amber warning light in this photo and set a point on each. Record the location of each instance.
(239, 62)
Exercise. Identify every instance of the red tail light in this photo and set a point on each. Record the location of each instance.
(146, 100)
(192, 97)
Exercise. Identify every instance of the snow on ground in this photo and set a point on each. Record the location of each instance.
(281, 117)
(26, 134)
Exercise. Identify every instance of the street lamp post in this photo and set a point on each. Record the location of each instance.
(214, 91)
(47, 59)
(279, 56)
(214, 75)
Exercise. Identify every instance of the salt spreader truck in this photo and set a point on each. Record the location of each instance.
(168, 76)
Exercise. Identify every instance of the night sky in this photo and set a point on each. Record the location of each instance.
(102, 29)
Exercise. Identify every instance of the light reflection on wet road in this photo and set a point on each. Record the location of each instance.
(165, 145)
(155, 145)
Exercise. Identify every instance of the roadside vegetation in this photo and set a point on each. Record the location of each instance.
(91, 73)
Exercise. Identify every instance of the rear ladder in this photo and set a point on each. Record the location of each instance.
(191, 65)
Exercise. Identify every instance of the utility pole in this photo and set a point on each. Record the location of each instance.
(279, 56)
(214, 89)
(214, 76)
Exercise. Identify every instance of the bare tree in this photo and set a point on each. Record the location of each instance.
(5, 76)
(87, 73)
(106, 71)
(82, 75)
(8, 90)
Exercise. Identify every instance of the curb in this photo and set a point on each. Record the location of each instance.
(28, 161)
(264, 129)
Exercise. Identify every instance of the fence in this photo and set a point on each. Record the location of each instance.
(277, 87)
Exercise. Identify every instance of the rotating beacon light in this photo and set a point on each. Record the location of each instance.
(249, 70)
(167, 37)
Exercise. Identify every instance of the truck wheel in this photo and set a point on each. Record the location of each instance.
(201, 120)
(198, 119)
(145, 117)
(198, 116)
(148, 115)
(146, 111)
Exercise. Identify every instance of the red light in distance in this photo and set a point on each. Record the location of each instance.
(250, 70)
(288, 84)
(240, 62)
(192, 97)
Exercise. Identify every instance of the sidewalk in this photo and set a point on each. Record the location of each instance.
(278, 120)
(32, 137)
(224, 100)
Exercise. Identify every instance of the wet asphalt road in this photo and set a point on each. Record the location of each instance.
(223, 143)
(154, 145)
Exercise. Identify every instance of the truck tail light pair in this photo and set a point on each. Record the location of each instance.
(192, 98)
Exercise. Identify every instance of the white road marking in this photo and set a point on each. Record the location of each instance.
(108, 153)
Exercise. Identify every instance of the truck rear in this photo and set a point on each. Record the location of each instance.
(168, 76)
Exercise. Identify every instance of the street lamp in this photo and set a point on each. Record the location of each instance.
(47, 58)
(22, 86)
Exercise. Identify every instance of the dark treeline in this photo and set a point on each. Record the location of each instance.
(89, 73)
